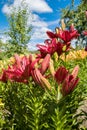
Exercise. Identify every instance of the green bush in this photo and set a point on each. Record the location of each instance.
(29, 107)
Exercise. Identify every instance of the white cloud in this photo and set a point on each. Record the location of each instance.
(73, 43)
(54, 22)
(39, 30)
(32, 47)
(40, 33)
(38, 22)
(6, 9)
(40, 6)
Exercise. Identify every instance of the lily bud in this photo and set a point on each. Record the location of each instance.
(51, 67)
(63, 24)
(45, 83)
(64, 48)
(75, 71)
(39, 79)
(45, 64)
(69, 84)
(57, 30)
(61, 74)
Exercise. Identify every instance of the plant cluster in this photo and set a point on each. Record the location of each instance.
(78, 16)
(39, 92)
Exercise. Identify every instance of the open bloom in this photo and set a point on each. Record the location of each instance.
(68, 35)
(25, 67)
(48, 48)
(20, 71)
(67, 80)
(52, 46)
(65, 35)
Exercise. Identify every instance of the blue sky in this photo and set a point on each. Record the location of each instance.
(46, 16)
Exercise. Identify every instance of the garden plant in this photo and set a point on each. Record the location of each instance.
(45, 90)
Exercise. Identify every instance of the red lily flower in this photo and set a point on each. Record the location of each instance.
(45, 64)
(24, 67)
(48, 48)
(47, 41)
(38, 73)
(65, 35)
(51, 35)
(20, 71)
(40, 79)
(68, 81)
(59, 49)
(69, 84)
(61, 74)
(51, 47)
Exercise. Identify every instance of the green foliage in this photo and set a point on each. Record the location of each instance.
(30, 107)
(19, 31)
(76, 15)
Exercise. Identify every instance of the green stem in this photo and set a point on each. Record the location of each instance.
(57, 119)
(59, 93)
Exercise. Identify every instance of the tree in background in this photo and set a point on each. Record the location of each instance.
(77, 16)
(3, 49)
(19, 30)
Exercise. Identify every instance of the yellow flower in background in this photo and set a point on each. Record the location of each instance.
(79, 54)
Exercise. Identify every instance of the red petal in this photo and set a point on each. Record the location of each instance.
(51, 34)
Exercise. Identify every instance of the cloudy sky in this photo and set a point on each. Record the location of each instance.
(46, 16)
